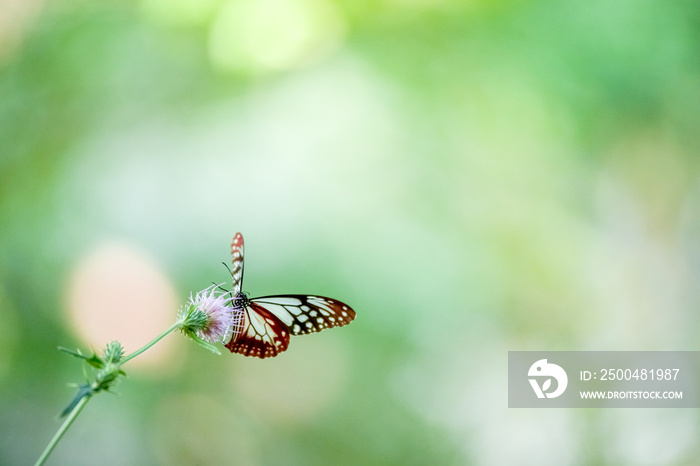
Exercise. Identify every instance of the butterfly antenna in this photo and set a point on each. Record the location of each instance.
(220, 287)
(227, 268)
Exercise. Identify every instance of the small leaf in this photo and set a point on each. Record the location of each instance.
(77, 354)
(93, 360)
(545, 386)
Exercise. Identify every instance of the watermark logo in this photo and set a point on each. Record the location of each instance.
(603, 379)
(546, 372)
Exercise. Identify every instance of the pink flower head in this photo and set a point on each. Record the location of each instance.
(218, 316)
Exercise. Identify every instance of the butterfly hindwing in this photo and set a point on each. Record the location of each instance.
(263, 335)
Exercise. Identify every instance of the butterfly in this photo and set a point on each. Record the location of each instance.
(268, 322)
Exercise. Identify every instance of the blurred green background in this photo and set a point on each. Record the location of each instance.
(471, 177)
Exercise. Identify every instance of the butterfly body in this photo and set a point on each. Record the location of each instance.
(269, 321)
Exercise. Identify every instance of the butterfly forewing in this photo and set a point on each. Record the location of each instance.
(307, 314)
(237, 262)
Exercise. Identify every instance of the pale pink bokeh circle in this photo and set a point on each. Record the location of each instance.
(117, 292)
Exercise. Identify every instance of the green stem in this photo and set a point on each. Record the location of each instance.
(172, 328)
(81, 404)
(62, 430)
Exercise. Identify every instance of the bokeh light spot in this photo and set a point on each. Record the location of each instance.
(259, 36)
(118, 293)
(16, 18)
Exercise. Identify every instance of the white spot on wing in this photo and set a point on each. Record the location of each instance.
(293, 310)
(279, 312)
(256, 322)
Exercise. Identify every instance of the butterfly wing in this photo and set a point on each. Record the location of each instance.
(270, 320)
(305, 314)
(237, 262)
(263, 335)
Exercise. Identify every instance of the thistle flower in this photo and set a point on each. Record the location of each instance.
(207, 317)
